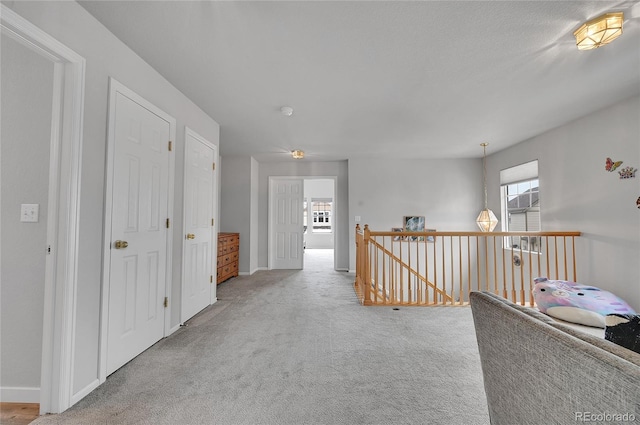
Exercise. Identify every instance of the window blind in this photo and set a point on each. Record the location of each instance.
(519, 173)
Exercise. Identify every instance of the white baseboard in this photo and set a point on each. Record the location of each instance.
(84, 392)
(257, 269)
(20, 395)
(342, 270)
(244, 273)
(351, 271)
(173, 329)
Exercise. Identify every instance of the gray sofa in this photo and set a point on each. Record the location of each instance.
(538, 371)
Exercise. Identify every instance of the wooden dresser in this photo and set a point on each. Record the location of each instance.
(228, 247)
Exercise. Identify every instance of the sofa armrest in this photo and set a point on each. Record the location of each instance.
(538, 371)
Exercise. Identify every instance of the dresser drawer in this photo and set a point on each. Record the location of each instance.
(223, 260)
(228, 271)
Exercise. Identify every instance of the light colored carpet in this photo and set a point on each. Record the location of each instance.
(295, 347)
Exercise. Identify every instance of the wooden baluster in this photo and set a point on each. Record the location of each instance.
(367, 266)
(573, 253)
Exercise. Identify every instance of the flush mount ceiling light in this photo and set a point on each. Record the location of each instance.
(486, 220)
(287, 111)
(599, 31)
(297, 154)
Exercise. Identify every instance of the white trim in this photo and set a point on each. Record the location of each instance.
(216, 217)
(58, 339)
(257, 269)
(214, 197)
(114, 88)
(85, 391)
(19, 395)
(173, 329)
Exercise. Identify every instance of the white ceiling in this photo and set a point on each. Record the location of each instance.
(419, 79)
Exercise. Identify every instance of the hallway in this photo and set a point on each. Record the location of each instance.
(295, 347)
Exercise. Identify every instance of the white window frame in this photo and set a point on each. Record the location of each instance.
(323, 217)
(518, 175)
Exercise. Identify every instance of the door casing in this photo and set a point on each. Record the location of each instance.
(58, 337)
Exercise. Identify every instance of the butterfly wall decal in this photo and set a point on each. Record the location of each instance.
(610, 166)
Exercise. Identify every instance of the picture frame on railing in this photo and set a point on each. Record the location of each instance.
(397, 229)
(413, 223)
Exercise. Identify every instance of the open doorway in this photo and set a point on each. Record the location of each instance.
(293, 200)
(319, 223)
(46, 78)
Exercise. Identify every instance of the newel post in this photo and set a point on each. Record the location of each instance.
(367, 267)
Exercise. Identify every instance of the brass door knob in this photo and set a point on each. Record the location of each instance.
(121, 244)
(191, 236)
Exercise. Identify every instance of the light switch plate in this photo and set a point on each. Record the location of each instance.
(357, 219)
(29, 213)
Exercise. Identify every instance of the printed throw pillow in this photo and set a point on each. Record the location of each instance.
(624, 330)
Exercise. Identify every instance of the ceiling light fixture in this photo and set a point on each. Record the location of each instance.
(599, 31)
(287, 111)
(297, 154)
(486, 220)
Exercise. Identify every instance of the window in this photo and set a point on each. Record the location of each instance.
(520, 195)
(322, 222)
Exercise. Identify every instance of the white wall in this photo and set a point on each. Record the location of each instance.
(382, 191)
(318, 188)
(304, 168)
(27, 93)
(577, 193)
(235, 204)
(107, 56)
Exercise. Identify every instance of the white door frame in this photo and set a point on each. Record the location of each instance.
(114, 88)
(61, 279)
(214, 245)
(334, 223)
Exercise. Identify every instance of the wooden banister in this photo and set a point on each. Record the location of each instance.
(442, 268)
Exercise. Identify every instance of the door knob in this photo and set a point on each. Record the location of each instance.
(121, 244)
(191, 236)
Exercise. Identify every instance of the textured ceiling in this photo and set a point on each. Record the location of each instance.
(420, 79)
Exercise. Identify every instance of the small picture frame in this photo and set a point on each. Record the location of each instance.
(430, 238)
(397, 229)
(413, 223)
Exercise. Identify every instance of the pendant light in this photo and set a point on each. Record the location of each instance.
(486, 220)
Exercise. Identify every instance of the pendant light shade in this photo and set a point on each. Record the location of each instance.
(486, 220)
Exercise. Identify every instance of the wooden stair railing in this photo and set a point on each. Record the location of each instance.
(442, 268)
(445, 297)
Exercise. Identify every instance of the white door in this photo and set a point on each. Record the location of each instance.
(286, 234)
(199, 184)
(139, 211)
